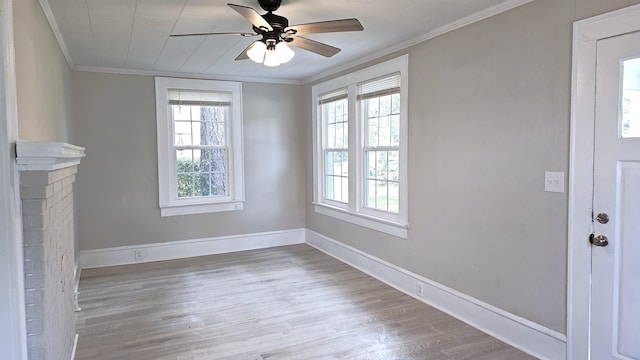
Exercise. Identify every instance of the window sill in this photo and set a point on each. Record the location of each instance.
(191, 209)
(385, 226)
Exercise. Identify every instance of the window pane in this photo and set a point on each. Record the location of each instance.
(214, 161)
(382, 127)
(329, 111)
(385, 105)
(340, 140)
(393, 165)
(395, 130)
(195, 133)
(335, 129)
(219, 184)
(372, 130)
(331, 136)
(381, 195)
(345, 190)
(381, 185)
(212, 130)
(185, 185)
(201, 172)
(196, 125)
(204, 184)
(186, 167)
(384, 131)
(337, 176)
(181, 112)
(182, 133)
(374, 107)
(184, 161)
(631, 99)
(340, 110)
(370, 194)
(394, 197)
(395, 104)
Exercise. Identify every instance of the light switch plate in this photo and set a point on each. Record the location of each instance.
(554, 181)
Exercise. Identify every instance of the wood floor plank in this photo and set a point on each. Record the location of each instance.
(292, 302)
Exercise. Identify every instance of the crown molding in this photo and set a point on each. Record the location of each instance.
(186, 75)
(48, 13)
(454, 25)
(468, 20)
(47, 156)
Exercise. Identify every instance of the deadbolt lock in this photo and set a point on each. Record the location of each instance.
(602, 218)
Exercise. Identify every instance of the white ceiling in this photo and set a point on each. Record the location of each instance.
(132, 36)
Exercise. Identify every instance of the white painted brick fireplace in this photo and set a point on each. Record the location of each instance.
(47, 173)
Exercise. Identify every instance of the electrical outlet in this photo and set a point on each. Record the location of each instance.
(138, 254)
(420, 289)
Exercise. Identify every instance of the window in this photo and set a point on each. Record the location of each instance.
(334, 113)
(360, 141)
(200, 160)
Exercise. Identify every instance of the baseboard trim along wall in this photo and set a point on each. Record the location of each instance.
(516, 331)
(75, 347)
(126, 255)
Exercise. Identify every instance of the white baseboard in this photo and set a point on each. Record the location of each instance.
(125, 255)
(76, 273)
(75, 347)
(516, 331)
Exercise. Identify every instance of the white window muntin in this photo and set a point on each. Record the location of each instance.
(188, 102)
(387, 87)
(170, 203)
(334, 144)
(394, 224)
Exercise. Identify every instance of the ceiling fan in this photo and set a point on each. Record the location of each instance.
(272, 49)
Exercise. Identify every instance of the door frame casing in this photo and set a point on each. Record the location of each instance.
(13, 332)
(586, 34)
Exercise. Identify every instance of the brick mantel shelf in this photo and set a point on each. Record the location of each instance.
(47, 156)
(47, 173)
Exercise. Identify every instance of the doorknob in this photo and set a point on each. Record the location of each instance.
(599, 240)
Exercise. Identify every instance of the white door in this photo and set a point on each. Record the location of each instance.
(615, 267)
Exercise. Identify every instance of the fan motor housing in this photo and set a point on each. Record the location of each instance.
(270, 5)
(277, 22)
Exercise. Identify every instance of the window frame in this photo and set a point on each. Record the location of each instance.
(324, 150)
(169, 202)
(355, 212)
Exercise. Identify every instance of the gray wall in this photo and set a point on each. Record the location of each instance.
(43, 77)
(489, 111)
(117, 182)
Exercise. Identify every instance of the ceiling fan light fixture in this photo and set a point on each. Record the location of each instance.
(271, 58)
(285, 54)
(273, 49)
(257, 52)
(270, 52)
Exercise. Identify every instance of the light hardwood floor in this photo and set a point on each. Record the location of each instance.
(291, 302)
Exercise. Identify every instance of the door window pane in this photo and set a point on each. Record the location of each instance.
(631, 99)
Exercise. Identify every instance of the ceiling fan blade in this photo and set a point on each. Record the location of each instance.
(314, 46)
(254, 18)
(326, 27)
(216, 33)
(243, 55)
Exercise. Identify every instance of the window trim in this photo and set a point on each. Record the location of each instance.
(355, 212)
(323, 149)
(170, 204)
